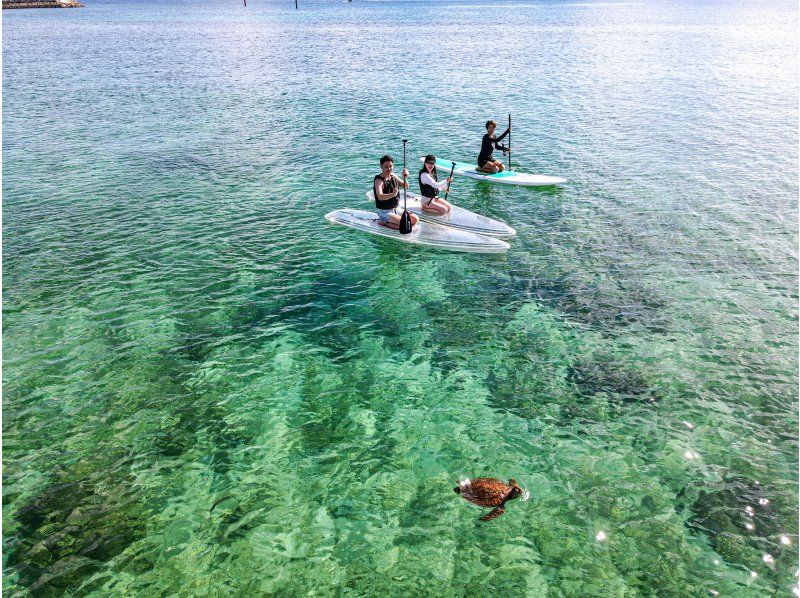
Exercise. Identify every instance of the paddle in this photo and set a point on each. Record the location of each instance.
(405, 219)
(509, 142)
(452, 170)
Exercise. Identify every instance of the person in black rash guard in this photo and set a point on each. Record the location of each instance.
(486, 162)
(429, 186)
(386, 188)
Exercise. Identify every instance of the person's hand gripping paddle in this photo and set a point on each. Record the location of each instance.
(405, 220)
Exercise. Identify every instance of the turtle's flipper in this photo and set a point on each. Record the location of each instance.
(493, 514)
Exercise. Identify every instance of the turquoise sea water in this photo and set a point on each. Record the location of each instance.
(208, 390)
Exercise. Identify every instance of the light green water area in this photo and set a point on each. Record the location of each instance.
(208, 390)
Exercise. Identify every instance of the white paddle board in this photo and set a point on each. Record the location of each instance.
(427, 233)
(458, 218)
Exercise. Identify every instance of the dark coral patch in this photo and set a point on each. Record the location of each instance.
(66, 532)
(612, 377)
(722, 514)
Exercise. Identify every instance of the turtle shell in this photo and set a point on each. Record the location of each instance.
(486, 492)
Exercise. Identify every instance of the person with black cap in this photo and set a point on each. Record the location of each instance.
(429, 186)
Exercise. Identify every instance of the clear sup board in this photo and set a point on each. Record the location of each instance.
(425, 233)
(458, 218)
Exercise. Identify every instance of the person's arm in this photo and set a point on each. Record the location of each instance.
(379, 191)
(496, 142)
(428, 180)
(403, 184)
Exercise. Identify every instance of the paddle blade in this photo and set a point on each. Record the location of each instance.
(405, 223)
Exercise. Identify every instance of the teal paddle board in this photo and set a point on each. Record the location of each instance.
(507, 177)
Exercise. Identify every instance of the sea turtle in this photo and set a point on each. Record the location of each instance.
(489, 492)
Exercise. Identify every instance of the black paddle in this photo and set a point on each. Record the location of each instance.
(405, 219)
(509, 141)
(452, 170)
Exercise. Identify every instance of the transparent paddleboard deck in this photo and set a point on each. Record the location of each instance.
(425, 233)
(507, 177)
(458, 218)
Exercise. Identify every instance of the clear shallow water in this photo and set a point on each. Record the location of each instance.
(208, 389)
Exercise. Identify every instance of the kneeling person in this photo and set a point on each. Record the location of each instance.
(386, 188)
(486, 161)
(430, 186)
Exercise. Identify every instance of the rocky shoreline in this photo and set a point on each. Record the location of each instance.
(41, 4)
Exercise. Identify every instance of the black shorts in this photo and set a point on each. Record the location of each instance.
(489, 159)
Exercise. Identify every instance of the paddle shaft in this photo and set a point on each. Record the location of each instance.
(405, 225)
(452, 170)
(509, 141)
(404, 176)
